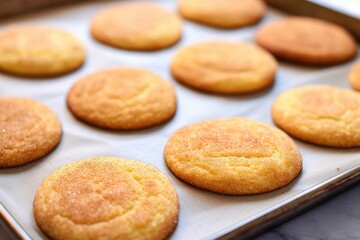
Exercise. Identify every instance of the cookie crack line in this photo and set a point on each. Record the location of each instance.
(315, 116)
(115, 216)
(247, 165)
(240, 156)
(214, 68)
(247, 156)
(99, 193)
(86, 224)
(133, 96)
(276, 151)
(126, 212)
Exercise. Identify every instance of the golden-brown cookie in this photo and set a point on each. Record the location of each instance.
(233, 156)
(122, 99)
(39, 51)
(28, 131)
(354, 76)
(224, 67)
(320, 114)
(106, 198)
(307, 40)
(223, 13)
(137, 26)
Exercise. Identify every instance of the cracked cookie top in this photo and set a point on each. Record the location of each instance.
(233, 156)
(320, 114)
(106, 198)
(28, 131)
(122, 99)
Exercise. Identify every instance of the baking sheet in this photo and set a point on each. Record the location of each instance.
(203, 214)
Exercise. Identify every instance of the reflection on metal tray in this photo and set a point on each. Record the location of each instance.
(203, 215)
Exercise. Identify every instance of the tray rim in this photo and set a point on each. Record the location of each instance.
(13, 225)
(292, 207)
(260, 222)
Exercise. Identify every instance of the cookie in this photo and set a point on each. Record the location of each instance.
(223, 13)
(137, 26)
(106, 198)
(122, 99)
(320, 114)
(233, 156)
(39, 51)
(224, 67)
(307, 40)
(28, 131)
(354, 76)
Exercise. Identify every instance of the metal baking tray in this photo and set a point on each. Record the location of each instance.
(203, 215)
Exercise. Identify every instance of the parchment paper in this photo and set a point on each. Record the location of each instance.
(202, 214)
